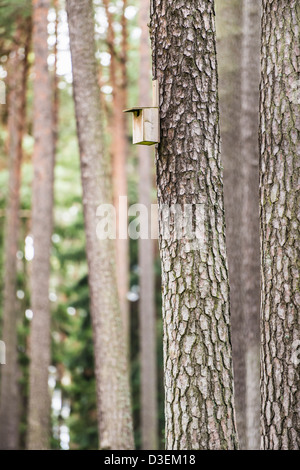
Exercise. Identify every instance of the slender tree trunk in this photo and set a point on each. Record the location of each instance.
(119, 153)
(250, 215)
(9, 399)
(120, 180)
(229, 46)
(238, 32)
(113, 397)
(149, 418)
(55, 81)
(279, 193)
(119, 176)
(199, 405)
(42, 223)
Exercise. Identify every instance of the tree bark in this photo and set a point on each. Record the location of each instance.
(147, 312)
(199, 406)
(279, 207)
(9, 398)
(113, 396)
(42, 223)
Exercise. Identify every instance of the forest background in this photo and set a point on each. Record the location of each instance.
(124, 76)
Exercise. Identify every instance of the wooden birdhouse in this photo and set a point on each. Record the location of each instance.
(145, 121)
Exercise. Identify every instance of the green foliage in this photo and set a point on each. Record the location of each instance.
(12, 11)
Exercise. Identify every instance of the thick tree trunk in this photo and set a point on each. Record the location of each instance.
(42, 221)
(9, 398)
(199, 405)
(113, 397)
(149, 418)
(279, 153)
(229, 47)
(250, 259)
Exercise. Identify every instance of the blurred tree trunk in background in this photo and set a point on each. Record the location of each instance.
(119, 153)
(9, 394)
(119, 172)
(147, 311)
(199, 402)
(55, 79)
(279, 193)
(250, 259)
(113, 393)
(238, 31)
(229, 46)
(42, 225)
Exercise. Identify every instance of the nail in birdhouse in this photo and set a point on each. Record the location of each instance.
(145, 120)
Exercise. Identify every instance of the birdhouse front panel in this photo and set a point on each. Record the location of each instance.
(145, 122)
(146, 126)
(137, 127)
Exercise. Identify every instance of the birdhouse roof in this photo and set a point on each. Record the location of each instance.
(137, 108)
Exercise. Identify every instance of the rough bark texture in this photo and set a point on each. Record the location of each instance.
(113, 397)
(250, 259)
(229, 48)
(279, 192)
(149, 418)
(199, 406)
(9, 398)
(42, 222)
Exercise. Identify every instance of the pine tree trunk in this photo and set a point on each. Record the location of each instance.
(42, 222)
(250, 271)
(199, 405)
(9, 399)
(229, 47)
(279, 193)
(113, 396)
(149, 418)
